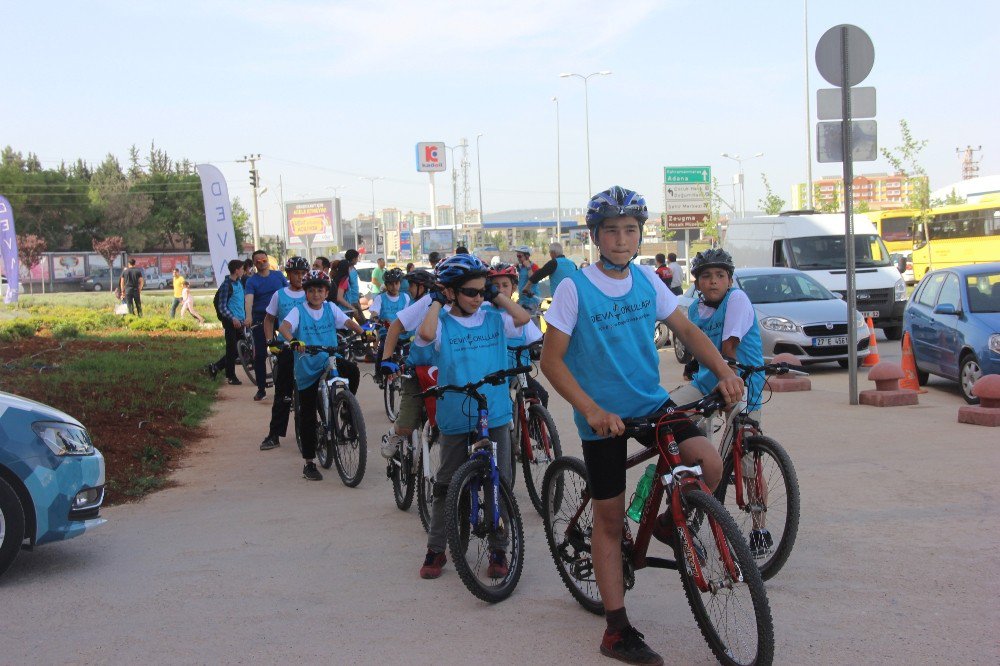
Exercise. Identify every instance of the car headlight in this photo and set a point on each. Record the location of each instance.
(779, 324)
(995, 343)
(64, 439)
(901, 290)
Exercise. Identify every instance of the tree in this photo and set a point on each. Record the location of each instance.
(953, 199)
(771, 204)
(241, 222)
(862, 207)
(123, 211)
(110, 248)
(712, 199)
(904, 158)
(29, 250)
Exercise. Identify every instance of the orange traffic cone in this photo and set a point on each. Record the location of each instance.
(909, 380)
(873, 357)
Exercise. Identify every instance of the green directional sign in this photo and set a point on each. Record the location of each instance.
(688, 174)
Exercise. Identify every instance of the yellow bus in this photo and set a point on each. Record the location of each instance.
(956, 235)
(895, 227)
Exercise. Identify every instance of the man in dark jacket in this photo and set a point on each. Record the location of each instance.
(230, 308)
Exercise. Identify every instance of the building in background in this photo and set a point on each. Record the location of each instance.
(880, 191)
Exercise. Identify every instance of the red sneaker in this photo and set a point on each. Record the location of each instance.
(433, 562)
(498, 565)
(628, 645)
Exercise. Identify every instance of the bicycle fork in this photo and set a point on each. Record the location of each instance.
(486, 447)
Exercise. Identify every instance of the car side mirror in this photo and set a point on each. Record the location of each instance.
(838, 295)
(947, 309)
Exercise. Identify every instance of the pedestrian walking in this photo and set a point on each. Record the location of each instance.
(178, 291)
(187, 302)
(230, 308)
(132, 283)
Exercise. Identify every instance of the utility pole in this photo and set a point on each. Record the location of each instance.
(254, 181)
(970, 166)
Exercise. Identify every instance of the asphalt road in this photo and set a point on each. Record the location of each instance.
(244, 561)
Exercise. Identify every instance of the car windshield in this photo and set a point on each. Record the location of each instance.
(365, 274)
(983, 292)
(828, 252)
(782, 288)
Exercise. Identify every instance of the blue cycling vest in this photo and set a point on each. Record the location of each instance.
(353, 291)
(748, 352)
(285, 305)
(322, 331)
(390, 310)
(468, 355)
(237, 305)
(611, 350)
(564, 269)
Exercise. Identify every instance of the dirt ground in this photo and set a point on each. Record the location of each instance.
(244, 561)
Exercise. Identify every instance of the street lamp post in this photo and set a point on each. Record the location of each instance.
(370, 179)
(558, 178)
(740, 161)
(479, 174)
(586, 116)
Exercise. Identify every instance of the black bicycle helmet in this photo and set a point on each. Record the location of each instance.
(713, 258)
(392, 275)
(297, 264)
(421, 276)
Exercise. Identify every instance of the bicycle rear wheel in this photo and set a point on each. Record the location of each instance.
(350, 442)
(733, 615)
(772, 505)
(244, 351)
(425, 483)
(545, 448)
(475, 543)
(403, 478)
(390, 396)
(569, 523)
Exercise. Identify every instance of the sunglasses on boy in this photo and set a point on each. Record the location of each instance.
(472, 293)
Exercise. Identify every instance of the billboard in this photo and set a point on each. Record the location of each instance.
(68, 267)
(315, 218)
(437, 240)
(431, 156)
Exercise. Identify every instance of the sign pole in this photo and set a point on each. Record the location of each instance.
(852, 297)
(434, 210)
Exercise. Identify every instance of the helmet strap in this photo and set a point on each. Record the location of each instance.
(611, 266)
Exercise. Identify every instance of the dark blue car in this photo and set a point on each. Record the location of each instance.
(953, 318)
(51, 477)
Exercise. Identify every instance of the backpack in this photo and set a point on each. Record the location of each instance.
(665, 274)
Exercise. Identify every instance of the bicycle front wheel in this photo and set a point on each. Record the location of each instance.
(733, 612)
(487, 557)
(350, 445)
(403, 478)
(769, 518)
(244, 351)
(569, 524)
(543, 438)
(390, 396)
(326, 434)
(425, 478)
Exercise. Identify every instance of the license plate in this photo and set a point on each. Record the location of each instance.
(870, 313)
(832, 341)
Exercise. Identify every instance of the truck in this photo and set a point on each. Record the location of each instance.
(815, 243)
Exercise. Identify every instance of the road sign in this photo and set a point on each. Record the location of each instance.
(830, 141)
(431, 156)
(685, 220)
(685, 192)
(690, 174)
(860, 55)
(829, 103)
(684, 206)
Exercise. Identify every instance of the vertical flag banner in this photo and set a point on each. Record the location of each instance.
(219, 220)
(8, 251)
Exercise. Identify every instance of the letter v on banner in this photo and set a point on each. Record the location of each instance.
(8, 251)
(218, 220)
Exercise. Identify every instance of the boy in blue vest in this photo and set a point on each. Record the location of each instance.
(314, 322)
(504, 276)
(229, 307)
(386, 306)
(600, 356)
(469, 342)
(281, 304)
(724, 313)
(556, 269)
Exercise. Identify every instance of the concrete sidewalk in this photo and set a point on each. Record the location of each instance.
(243, 560)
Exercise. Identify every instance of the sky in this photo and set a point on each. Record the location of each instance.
(328, 92)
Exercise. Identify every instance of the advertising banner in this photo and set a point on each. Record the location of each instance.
(405, 245)
(145, 260)
(181, 262)
(68, 267)
(431, 156)
(219, 220)
(437, 240)
(8, 251)
(315, 218)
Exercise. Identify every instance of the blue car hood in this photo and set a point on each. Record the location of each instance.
(44, 412)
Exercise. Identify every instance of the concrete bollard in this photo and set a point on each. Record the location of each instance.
(788, 383)
(887, 393)
(987, 412)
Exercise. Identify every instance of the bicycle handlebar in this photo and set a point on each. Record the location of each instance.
(494, 378)
(311, 349)
(641, 425)
(768, 369)
(534, 345)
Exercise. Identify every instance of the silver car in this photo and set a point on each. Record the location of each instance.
(797, 315)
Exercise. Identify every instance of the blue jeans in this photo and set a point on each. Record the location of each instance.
(259, 351)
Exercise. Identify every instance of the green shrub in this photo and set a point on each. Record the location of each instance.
(182, 325)
(17, 329)
(155, 323)
(66, 330)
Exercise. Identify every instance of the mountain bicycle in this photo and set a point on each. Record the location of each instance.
(534, 441)
(341, 437)
(391, 386)
(481, 507)
(723, 586)
(759, 486)
(245, 354)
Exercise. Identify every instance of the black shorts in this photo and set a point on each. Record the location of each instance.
(605, 458)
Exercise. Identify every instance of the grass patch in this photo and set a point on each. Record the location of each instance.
(140, 395)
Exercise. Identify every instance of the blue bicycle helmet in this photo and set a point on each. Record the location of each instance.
(459, 269)
(615, 202)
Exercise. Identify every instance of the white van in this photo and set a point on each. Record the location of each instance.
(814, 243)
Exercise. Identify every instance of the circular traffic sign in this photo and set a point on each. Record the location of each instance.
(830, 58)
